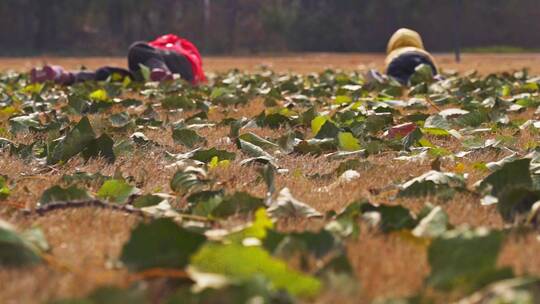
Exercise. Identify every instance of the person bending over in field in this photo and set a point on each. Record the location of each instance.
(405, 52)
(165, 56)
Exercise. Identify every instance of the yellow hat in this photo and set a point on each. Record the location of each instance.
(404, 38)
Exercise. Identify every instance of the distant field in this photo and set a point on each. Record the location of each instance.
(306, 63)
(335, 140)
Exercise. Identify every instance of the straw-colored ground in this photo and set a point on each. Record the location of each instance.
(84, 240)
(306, 63)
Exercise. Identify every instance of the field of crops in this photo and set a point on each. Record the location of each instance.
(271, 186)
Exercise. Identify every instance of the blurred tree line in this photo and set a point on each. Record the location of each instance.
(107, 27)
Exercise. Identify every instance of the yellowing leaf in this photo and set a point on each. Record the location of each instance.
(317, 123)
(4, 189)
(245, 263)
(425, 143)
(459, 168)
(257, 229)
(116, 191)
(34, 88)
(287, 112)
(506, 91)
(8, 111)
(435, 131)
(342, 99)
(215, 162)
(224, 163)
(356, 105)
(99, 95)
(348, 142)
(117, 77)
(126, 82)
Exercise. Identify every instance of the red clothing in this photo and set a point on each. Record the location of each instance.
(184, 47)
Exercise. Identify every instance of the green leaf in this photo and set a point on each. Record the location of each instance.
(23, 123)
(287, 206)
(237, 203)
(514, 174)
(257, 290)
(102, 146)
(145, 72)
(131, 102)
(422, 73)
(206, 156)
(351, 164)
(317, 244)
(116, 191)
(328, 130)
(412, 139)
(522, 290)
(57, 194)
(316, 146)
(206, 207)
(274, 120)
(437, 122)
(348, 142)
(178, 102)
(253, 150)
(147, 201)
(516, 201)
(244, 263)
(73, 143)
(392, 218)
(472, 119)
(287, 142)
(393, 89)
(119, 120)
(215, 204)
(217, 92)
(258, 141)
(307, 117)
(5, 143)
(114, 295)
(187, 137)
(78, 103)
(236, 125)
(15, 250)
(378, 121)
(465, 260)
(4, 189)
(512, 187)
(140, 138)
(346, 223)
(268, 173)
(84, 178)
(432, 183)
(160, 244)
(434, 224)
(202, 196)
(187, 180)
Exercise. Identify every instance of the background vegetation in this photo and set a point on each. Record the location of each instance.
(103, 27)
